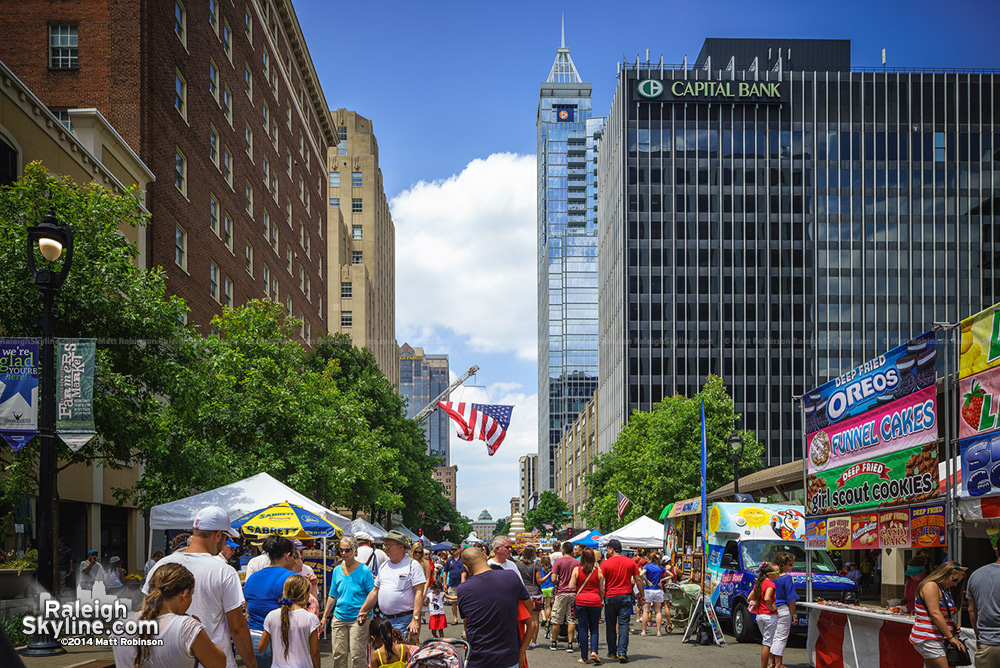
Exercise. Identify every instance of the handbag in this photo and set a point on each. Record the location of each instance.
(954, 655)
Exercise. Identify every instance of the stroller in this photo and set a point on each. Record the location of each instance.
(682, 598)
(440, 653)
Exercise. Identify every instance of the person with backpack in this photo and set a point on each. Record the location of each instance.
(294, 630)
(588, 582)
(763, 606)
(349, 587)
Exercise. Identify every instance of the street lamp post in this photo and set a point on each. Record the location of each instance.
(51, 237)
(736, 445)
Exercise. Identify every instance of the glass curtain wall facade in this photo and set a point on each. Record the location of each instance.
(781, 241)
(567, 257)
(422, 377)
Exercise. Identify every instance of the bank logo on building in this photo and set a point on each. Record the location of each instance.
(650, 88)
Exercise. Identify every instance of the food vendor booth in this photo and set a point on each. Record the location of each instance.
(871, 478)
(682, 538)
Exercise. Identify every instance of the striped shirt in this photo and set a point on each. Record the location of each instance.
(924, 628)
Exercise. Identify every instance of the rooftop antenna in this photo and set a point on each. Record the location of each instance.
(647, 56)
(661, 65)
(562, 42)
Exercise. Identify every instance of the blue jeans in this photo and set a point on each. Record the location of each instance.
(263, 659)
(400, 623)
(620, 608)
(587, 626)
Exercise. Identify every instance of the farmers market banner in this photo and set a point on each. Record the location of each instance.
(894, 375)
(75, 391)
(980, 343)
(19, 397)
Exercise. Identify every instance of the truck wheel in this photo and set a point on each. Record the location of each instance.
(743, 625)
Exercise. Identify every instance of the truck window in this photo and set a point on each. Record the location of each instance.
(733, 550)
(756, 551)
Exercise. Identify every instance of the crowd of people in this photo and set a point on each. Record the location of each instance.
(378, 601)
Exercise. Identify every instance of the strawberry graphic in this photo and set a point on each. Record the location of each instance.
(973, 407)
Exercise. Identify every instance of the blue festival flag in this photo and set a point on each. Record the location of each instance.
(19, 396)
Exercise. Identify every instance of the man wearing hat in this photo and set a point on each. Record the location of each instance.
(91, 571)
(217, 600)
(399, 588)
(228, 550)
(372, 557)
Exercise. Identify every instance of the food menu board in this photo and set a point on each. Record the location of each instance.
(864, 531)
(894, 529)
(979, 404)
(901, 528)
(872, 433)
(980, 342)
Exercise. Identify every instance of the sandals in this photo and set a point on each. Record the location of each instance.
(582, 661)
(593, 657)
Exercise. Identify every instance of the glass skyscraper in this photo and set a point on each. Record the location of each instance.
(776, 216)
(567, 256)
(422, 377)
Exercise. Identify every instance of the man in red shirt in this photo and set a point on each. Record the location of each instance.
(620, 573)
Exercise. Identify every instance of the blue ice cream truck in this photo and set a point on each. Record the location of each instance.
(740, 537)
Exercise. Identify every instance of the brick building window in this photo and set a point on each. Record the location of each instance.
(267, 281)
(63, 47)
(288, 211)
(356, 206)
(227, 292)
(266, 168)
(288, 305)
(319, 266)
(320, 307)
(248, 81)
(180, 171)
(180, 21)
(274, 185)
(248, 141)
(274, 288)
(64, 119)
(302, 279)
(309, 289)
(346, 318)
(335, 201)
(180, 247)
(308, 245)
(356, 232)
(227, 39)
(288, 259)
(213, 221)
(227, 104)
(213, 281)
(213, 15)
(180, 94)
(213, 144)
(266, 110)
(334, 179)
(248, 21)
(274, 235)
(357, 179)
(356, 257)
(227, 230)
(288, 162)
(227, 165)
(248, 256)
(248, 198)
(346, 290)
(213, 79)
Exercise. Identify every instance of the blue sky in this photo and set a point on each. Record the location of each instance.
(452, 90)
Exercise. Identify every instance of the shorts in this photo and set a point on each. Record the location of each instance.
(438, 623)
(561, 608)
(930, 649)
(767, 624)
(654, 596)
(452, 591)
(548, 592)
(537, 604)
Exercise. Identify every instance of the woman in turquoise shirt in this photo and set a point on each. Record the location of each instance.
(351, 583)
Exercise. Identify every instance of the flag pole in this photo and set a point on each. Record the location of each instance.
(704, 499)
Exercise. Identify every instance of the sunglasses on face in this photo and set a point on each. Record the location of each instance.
(347, 549)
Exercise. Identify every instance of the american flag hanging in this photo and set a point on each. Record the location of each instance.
(447, 527)
(622, 505)
(486, 422)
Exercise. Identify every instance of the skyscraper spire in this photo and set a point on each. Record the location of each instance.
(563, 70)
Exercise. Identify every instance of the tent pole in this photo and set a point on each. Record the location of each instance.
(326, 576)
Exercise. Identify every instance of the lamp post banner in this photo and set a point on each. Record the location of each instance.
(75, 391)
(19, 396)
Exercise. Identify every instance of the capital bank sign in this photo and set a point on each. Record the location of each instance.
(710, 91)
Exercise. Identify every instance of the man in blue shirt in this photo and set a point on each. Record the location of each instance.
(490, 601)
(263, 590)
(453, 570)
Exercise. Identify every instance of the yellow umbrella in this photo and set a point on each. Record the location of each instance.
(288, 520)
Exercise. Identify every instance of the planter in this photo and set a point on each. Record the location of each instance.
(13, 582)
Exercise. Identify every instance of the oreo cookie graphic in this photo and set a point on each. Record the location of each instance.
(916, 346)
(822, 421)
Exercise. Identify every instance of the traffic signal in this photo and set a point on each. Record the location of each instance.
(420, 531)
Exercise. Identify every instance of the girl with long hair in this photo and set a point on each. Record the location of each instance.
(294, 628)
(652, 574)
(548, 589)
(180, 637)
(784, 600)
(762, 604)
(934, 627)
(390, 649)
(588, 583)
(531, 576)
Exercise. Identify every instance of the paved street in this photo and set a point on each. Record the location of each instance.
(648, 651)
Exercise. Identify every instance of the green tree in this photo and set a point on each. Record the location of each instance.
(106, 296)
(502, 527)
(550, 510)
(656, 458)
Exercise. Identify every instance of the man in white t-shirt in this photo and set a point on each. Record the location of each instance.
(91, 571)
(365, 552)
(502, 547)
(218, 598)
(228, 550)
(260, 562)
(399, 588)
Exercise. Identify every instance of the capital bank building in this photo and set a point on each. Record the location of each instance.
(774, 215)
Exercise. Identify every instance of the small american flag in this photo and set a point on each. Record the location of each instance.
(447, 527)
(486, 422)
(623, 502)
(548, 527)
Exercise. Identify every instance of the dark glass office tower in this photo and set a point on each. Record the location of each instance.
(775, 216)
(567, 256)
(422, 377)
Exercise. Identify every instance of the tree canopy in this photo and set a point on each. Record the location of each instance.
(550, 510)
(656, 458)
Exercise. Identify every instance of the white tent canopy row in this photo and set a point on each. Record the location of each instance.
(237, 499)
(359, 525)
(643, 532)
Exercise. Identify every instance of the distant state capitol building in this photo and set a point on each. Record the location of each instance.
(484, 526)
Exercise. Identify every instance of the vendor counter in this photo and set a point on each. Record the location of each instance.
(843, 636)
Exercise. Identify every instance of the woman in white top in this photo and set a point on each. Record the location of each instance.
(114, 577)
(294, 630)
(182, 636)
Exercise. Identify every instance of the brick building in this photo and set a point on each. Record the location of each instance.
(223, 104)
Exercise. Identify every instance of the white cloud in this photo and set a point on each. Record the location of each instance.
(466, 257)
(489, 482)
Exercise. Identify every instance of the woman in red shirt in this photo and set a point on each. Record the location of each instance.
(588, 582)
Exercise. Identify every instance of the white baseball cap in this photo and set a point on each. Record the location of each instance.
(362, 535)
(214, 518)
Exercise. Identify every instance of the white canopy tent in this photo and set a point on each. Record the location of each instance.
(642, 532)
(239, 498)
(580, 536)
(359, 525)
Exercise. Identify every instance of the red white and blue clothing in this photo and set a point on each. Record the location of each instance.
(924, 628)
